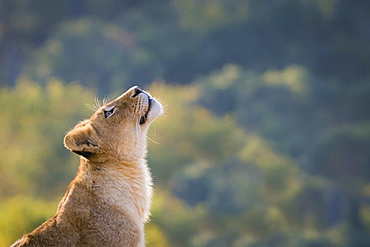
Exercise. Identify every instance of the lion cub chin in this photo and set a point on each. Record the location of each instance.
(108, 201)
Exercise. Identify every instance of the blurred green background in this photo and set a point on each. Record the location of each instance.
(266, 137)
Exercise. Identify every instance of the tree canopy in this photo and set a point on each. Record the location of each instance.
(266, 134)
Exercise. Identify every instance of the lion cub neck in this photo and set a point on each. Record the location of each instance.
(123, 185)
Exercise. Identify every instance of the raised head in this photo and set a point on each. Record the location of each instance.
(116, 130)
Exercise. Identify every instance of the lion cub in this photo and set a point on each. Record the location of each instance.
(108, 201)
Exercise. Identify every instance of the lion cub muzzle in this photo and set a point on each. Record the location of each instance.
(143, 103)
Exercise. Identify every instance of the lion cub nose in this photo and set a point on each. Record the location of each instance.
(137, 91)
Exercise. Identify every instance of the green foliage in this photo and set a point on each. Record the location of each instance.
(22, 214)
(275, 104)
(31, 136)
(154, 236)
(266, 144)
(345, 151)
(179, 40)
(193, 128)
(67, 54)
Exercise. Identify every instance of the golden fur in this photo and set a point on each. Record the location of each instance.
(108, 201)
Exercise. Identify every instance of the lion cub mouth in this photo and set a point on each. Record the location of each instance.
(145, 116)
(143, 104)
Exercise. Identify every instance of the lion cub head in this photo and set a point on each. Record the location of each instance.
(117, 130)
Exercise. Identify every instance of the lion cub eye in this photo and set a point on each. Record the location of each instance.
(108, 112)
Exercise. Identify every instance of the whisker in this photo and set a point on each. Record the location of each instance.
(152, 140)
(89, 106)
(98, 103)
(105, 100)
(164, 106)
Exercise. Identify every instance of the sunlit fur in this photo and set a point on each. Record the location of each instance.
(108, 201)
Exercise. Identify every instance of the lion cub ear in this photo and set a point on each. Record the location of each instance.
(82, 140)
